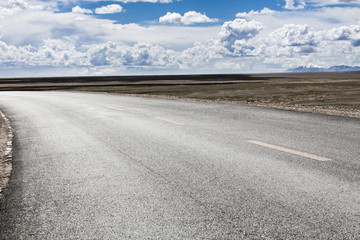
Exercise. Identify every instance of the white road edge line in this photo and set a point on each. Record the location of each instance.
(170, 121)
(303, 154)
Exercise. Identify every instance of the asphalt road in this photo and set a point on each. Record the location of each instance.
(92, 166)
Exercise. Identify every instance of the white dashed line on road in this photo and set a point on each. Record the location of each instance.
(303, 154)
(170, 121)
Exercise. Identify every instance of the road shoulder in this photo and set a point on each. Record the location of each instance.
(5, 153)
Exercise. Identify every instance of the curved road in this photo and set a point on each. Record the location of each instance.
(93, 166)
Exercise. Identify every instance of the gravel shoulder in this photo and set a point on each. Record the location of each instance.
(5, 153)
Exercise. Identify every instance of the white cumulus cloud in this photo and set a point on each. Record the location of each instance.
(80, 10)
(109, 9)
(299, 45)
(67, 2)
(189, 18)
(239, 29)
(288, 41)
(344, 33)
(11, 7)
(332, 2)
(295, 4)
(150, 1)
(265, 11)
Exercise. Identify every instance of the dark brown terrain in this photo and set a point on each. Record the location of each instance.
(330, 93)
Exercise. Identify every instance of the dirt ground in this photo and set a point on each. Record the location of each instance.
(329, 93)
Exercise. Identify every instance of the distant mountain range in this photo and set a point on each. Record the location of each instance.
(342, 68)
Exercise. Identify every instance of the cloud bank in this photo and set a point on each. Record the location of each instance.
(34, 35)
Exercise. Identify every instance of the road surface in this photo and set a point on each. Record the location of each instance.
(93, 166)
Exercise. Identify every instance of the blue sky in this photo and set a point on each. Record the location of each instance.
(125, 37)
(145, 12)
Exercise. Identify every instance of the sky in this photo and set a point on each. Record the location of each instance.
(139, 37)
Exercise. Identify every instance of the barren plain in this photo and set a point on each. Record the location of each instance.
(329, 93)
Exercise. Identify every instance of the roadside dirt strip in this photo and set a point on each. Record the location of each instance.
(6, 136)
